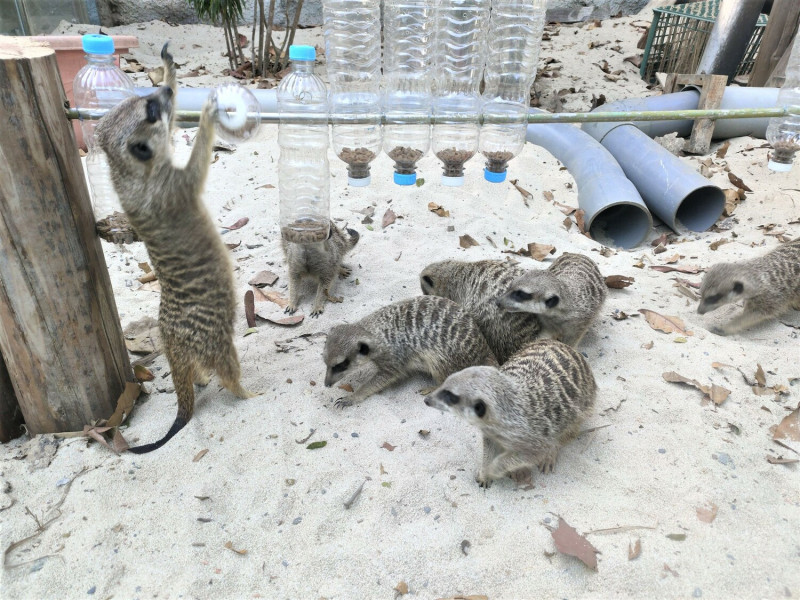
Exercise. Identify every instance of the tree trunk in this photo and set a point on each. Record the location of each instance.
(60, 334)
(10, 414)
(776, 43)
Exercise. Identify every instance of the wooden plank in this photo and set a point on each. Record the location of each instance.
(776, 43)
(60, 334)
(710, 97)
(10, 413)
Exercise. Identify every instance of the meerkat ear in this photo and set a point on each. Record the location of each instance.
(153, 110)
(363, 348)
(480, 408)
(552, 301)
(738, 287)
(426, 279)
(449, 397)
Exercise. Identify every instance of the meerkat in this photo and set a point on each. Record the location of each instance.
(526, 409)
(768, 285)
(566, 297)
(164, 205)
(321, 261)
(475, 286)
(426, 334)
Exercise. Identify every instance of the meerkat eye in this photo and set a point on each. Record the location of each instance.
(738, 288)
(141, 151)
(363, 349)
(153, 110)
(427, 281)
(714, 299)
(341, 367)
(480, 408)
(449, 397)
(552, 301)
(520, 296)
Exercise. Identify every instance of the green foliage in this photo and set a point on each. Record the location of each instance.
(218, 10)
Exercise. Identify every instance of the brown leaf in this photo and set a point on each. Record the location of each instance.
(388, 446)
(618, 282)
(719, 394)
(147, 277)
(526, 195)
(200, 455)
(648, 345)
(118, 442)
(401, 588)
(142, 373)
(124, 404)
(143, 336)
(550, 198)
(234, 245)
(145, 267)
(716, 393)
(435, 208)
(570, 542)
(738, 182)
(567, 223)
(346, 387)
(635, 550)
(789, 427)
(579, 219)
(263, 278)
(661, 240)
(707, 513)
(470, 597)
(636, 61)
(540, 251)
(229, 546)
(718, 243)
(673, 259)
(96, 433)
(249, 308)
(270, 296)
(732, 200)
(719, 365)
(760, 377)
(280, 317)
(681, 269)
(467, 241)
(781, 461)
(238, 225)
(388, 218)
(723, 149)
(667, 324)
(567, 210)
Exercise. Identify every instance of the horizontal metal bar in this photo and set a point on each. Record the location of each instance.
(190, 116)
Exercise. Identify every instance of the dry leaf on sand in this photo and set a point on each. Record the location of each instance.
(467, 241)
(789, 427)
(526, 195)
(142, 373)
(238, 225)
(667, 324)
(124, 404)
(540, 251)
(279, 317)
(716, 393)
(707, 513)
(250, 308)
(618, 282)
(570, 542)
(388, 446)
(436, 208)
(263, 278)
(260, 295)
(229, 546)
(470, 597)
(723, 149)
(679, 269)
(401, 588)
(635, 550)
(738, 182)
(200, 455)
(388, 218)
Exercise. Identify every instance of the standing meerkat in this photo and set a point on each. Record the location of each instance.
(164, 205)
(321, 261)
(526, 410)
(566, 297)
(426, 334)
(475, 286)
(768, 285)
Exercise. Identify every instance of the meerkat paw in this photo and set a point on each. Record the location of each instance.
(547, 461)
(522, 477)
(344, 272)
(718, 330)
(483, 481)
(342, 403)
(291, 309)
(317, 311)
(202, 378)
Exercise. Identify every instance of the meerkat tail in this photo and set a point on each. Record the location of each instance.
(179, 424)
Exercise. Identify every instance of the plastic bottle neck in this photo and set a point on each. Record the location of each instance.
(303, 66)
(100, 59)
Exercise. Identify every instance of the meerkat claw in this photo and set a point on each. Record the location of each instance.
(342, 403)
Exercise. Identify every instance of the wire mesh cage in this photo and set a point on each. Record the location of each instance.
(679, 34)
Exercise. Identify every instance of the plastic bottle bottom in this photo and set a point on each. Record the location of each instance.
(779, 166)
(494, 177)
(452, 181)
(405, 178)
(359, 181)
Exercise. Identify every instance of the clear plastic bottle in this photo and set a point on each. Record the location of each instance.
(783, 133)
(353, 57)
(303, 170)
(100, 85)
(459, 56)
(514, 39)
(408, 27)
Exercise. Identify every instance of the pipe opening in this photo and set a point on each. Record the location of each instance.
(701, 208)
(621, 225)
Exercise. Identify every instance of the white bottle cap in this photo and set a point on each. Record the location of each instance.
(360, 182)
(780, 167)
(453, 181)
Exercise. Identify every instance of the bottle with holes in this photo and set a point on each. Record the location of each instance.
(459, 56)
(513, 42)
(99, 85)
(783, 133)
(303, 169)
(408, 28)
(353, 59)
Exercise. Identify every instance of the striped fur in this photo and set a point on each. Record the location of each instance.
(769, 286)
(164, 205)
(475, 286)
(525, 410)
(426, 334)
(565, 297)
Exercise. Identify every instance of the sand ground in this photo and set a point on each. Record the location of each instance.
(157, 525)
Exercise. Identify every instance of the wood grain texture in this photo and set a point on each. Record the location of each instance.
(10, 414)
(776, 43)
(60, 334)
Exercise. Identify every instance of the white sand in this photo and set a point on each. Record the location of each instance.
(129, 526)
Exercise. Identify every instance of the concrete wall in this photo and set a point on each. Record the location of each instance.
(120, 12)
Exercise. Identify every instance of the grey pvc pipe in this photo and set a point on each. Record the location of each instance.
(614, 210)
(736, 20)
(673, 191)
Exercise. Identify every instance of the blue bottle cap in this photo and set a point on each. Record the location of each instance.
(405, 178)
(95, 43)
(302, 53)
(494, 177)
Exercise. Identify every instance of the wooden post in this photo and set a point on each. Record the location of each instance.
(776, 44)
(10, 414)
(60, 334)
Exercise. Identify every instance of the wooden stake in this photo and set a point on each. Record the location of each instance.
(60, 334)
(10, 414)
